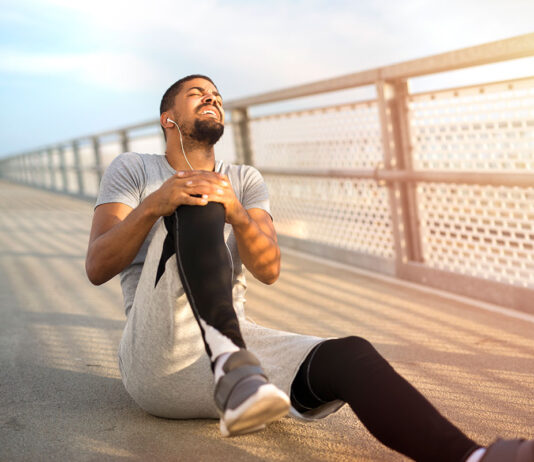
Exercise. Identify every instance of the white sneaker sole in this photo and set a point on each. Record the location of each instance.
(266, 405)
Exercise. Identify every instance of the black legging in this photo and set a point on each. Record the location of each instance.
(351, 370)
(196, 236)
(348, 369)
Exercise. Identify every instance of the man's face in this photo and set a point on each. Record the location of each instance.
(199, 112)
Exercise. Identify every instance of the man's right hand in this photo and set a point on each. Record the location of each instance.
(195, 187)
(118, 231)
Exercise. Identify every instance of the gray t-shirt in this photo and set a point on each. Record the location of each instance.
(131, 177)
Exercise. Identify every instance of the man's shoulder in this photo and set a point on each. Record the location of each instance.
(131, 157)
(241, 170)
(126, 160)
(143, 164)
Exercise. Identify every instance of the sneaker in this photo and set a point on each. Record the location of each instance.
(244, 397)
(510, 450)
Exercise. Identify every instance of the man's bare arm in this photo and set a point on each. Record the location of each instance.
(254, 232)
(258, 245)
(118, 231)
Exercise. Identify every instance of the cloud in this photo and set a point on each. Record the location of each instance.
(122, 54)
(116, 71)
(263, 45)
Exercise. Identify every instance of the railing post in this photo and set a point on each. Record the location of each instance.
(30, 175)
(242, 142)
(51, 169)
(98, 160)
(396, 141)
(125, 142)
(4, 167)
(22, 164)
(16, 169)
(41, 163)
(24, 167)
(63, 168)
(19, 169)
(78, 168)
(9, 169)
(30, 167)
(17, 172)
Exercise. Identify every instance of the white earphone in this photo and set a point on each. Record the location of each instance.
(181, 142)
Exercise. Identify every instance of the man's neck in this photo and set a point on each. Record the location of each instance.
(200, 157)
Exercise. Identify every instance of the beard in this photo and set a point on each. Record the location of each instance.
(207, 131)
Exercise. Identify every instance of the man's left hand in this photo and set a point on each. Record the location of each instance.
(222, 192)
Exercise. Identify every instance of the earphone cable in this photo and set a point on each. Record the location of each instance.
(181, 143)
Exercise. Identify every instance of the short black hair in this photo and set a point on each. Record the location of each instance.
(168, 97)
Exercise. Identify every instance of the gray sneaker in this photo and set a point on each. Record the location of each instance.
(245, 399)
(519, 450)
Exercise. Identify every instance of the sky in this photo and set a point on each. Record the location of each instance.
(70, 68)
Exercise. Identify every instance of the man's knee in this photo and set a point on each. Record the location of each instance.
(196, 222)
(351, 351)
(353, 341)
(212, 212)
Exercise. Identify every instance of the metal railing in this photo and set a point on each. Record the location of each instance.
(434, 187)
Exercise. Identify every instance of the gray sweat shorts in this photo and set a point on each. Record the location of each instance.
(162, 359)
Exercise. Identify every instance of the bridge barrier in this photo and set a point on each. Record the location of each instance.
(433, 187)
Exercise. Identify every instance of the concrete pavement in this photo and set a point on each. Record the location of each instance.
(61, 397)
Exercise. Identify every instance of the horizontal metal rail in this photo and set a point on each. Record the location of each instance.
(381, 176)
(488, 53)
(391, 236)
(523, 180)
(492, 52)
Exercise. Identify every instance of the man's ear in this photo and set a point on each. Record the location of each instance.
(163, 120)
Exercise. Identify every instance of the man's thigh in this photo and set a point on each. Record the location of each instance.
(162, 357)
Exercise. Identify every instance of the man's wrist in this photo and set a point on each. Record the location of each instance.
(148, 209)
(241, 219)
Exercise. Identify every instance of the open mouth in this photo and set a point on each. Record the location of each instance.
(210, 113)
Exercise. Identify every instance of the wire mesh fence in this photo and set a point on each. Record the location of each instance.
(407, 184)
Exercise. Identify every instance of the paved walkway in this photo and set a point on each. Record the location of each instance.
(61, 397)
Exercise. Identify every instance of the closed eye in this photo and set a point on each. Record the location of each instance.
(198, 91)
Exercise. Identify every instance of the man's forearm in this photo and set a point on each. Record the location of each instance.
(258, 251)
(111, 252)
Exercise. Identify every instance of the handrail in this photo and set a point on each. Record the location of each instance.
(502, 50)
(492, 52)
(382, 175)
(402, 226)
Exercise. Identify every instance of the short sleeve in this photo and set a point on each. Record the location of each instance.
(123, 181)
(255, 192)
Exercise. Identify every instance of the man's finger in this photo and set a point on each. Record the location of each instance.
(186, 173)
(194, 200)
(212, 176)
